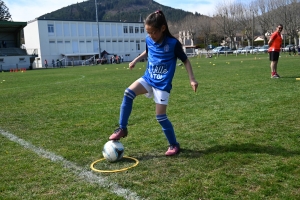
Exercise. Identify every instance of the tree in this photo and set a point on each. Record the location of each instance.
(4, 12)
(227, 20)
(245, 16)
(205, 25)
(288, 14)
(190, 24)
(262, 9)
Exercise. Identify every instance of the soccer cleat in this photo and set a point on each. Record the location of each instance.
(118, 134)
(173, 150)
(275, 76)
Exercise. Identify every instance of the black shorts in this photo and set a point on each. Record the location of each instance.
(274, 55)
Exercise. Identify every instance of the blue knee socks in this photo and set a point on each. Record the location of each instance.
(167, 128)
(126, 107)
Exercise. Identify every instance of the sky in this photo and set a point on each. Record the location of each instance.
(24, 10)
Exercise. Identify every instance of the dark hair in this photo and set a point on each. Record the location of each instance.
(280, 25)
(157, 20)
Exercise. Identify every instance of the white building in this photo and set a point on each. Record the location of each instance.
(187, 41)
(77, 41)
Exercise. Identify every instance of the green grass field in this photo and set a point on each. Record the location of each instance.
(239, 133)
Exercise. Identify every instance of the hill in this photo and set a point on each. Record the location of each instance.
(115, 10)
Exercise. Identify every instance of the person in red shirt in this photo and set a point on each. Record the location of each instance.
(274, 50)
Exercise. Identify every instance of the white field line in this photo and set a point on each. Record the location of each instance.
(87, 175)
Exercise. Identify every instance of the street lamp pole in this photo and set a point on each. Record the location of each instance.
(99, 47)
(252, 29)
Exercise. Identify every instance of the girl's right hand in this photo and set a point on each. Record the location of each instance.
(131, 65)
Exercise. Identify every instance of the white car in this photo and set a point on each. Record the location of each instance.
(247, 49)
(217, 49)
(239, 50)
(263, 49)
(221, 49)
(255, 50)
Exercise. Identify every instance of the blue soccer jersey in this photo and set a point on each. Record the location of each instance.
(162, 62)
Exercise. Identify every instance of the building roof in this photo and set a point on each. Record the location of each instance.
(79, 54)
(8, 26)
(71, 20)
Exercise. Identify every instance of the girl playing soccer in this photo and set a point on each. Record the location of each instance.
(162, 50)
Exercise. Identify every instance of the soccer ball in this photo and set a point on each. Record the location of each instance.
(113, 150)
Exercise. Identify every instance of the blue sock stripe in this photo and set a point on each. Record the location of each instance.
(129, 93)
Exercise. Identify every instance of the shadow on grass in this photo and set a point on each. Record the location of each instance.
(241, 148)
(290, 77)
(246, 148)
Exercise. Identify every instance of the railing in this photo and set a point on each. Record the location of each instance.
(58, 63)
(90, 60)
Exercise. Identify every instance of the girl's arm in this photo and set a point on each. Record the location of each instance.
(137, 59)
(189, 70)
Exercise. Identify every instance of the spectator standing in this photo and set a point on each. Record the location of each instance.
(3, 44)
(46, 63)
(274, 50)
(294, 50)
(290, 50)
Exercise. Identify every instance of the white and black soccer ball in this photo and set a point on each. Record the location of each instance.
(113, 150)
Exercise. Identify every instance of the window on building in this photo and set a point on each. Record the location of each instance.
(130, 29)
(142, 30)
(137, 45)
(50, 28)
(125, 29)
(51, 41)
(136, 30)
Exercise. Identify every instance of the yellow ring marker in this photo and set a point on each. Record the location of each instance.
(117, 170)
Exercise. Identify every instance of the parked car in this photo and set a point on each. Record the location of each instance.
(221, 49)
(254, 50)
(287, 47)
(263, 49)
(217, 49)
(239, 50)
(210, 47)
(226, 50)
(247, 49)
